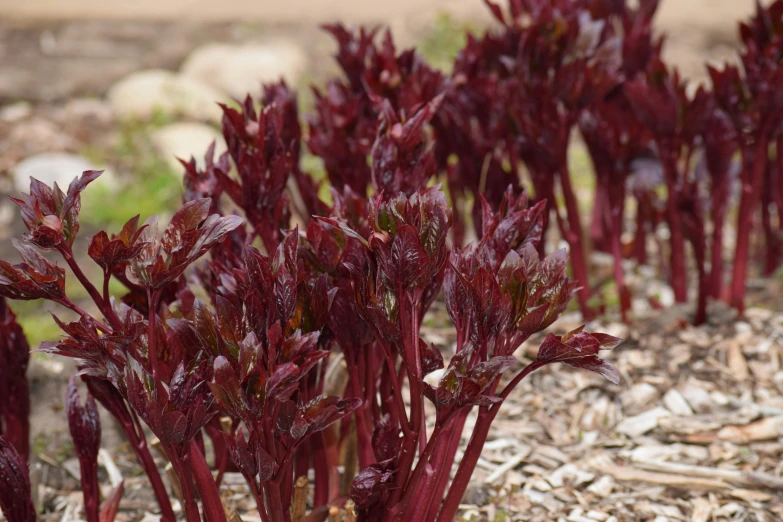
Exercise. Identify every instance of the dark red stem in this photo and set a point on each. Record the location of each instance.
(90, 491)
(110, 399)
(183, 469)
(643, 211)
(103, 306)
(409, 322)
(364, 438)
(772, 258)
(753, 167)
(574, 237)
(677, 239)
(206, 486)
(152, 336)
(442, 462)
(475, 446)
(320, 469)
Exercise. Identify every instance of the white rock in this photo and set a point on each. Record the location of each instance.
(140, 94)
(49, 168)
(241, 69)
(676, 403)
(15, 111)
(183, 140)
(640, 424)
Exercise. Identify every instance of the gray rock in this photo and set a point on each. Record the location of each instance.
(50, 168)
(183, 140)
(140, 94)
(241, 69)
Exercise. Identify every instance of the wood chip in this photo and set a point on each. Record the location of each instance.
(698, 398)
(769, 428)
(751, 495)
(334, 514)
(299, 503)
(510, 464)
(105, 460)
(688, 425)
(605, 465)
(736, 361)
(638, 397)
(350, 514)
(735, 477)
(702, 509)
(603, 486)
(638, 425)
(676, 403)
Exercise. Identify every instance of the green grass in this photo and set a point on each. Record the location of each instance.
(147, 184)
(442, 45)
(38, 327)
(157, 189)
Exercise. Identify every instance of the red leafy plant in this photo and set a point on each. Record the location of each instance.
(14, 388)
(118, 353)
(674, 122)
(498, 293)
(749, 97)
(258, 353)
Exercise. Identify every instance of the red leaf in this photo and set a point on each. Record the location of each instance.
(112, 504)
(580, 349)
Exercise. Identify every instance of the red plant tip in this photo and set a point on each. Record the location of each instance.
(83, 423)
(15, 499)
(121, 248)
(50, 215)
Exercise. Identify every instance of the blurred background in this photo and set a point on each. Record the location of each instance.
(130, 86)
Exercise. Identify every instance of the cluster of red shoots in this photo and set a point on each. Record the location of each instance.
(556, 69)
(237, 378)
